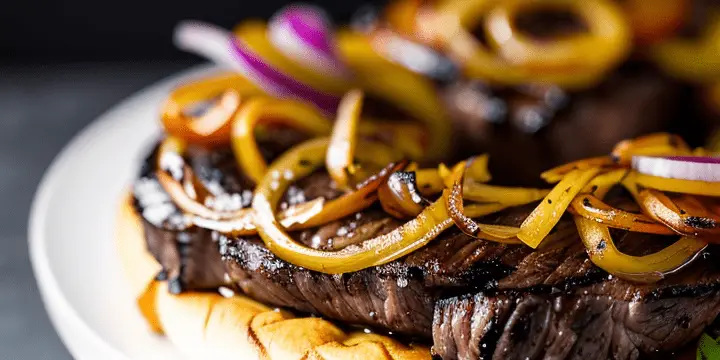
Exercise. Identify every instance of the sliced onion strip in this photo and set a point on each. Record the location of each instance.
(475, 191)
(694, 187)
(257, 37)
(213, 127)
(292, 113)
(382, 249)
(456, 209)
(547, 214)
(556, 174)
(656, 144)
(343, 140)
(697, 168)
(304, 33)
(591, 207)
(222, 47)
(410, 92)
(683, 213)
(643, 269)
(399, 196)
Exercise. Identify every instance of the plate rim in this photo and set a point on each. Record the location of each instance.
(46, 281)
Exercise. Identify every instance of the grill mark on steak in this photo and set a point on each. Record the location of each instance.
(576, 325)
(364, 297)
(598, 321)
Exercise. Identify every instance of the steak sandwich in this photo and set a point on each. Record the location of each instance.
(293, 213)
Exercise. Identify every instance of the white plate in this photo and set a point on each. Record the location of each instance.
(71, 233)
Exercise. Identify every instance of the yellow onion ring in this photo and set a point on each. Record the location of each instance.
(547, 214)
(654, 21)
(382, 249)
(694, 60)
(684, 214)
(305, 118)
(605, 44)
(409, 92)
(293, 113)
(212, 128)
(603, 253)
(448, 27)
(644, 269)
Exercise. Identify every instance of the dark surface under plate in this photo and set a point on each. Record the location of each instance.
(41, 109)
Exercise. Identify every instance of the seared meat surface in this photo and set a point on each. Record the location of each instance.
(471, 299)
(531, 129)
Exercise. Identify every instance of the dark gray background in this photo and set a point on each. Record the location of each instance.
(62, 64)
(90, 30)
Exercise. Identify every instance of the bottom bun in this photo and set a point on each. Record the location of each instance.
(210, 326)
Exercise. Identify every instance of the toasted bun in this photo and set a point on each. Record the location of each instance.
(210, 326)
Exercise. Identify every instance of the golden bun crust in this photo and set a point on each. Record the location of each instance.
(210, 326)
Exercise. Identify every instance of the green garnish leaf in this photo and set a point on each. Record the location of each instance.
(708, 348)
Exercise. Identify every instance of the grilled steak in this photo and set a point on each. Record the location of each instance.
(472, 299)
(541, 127)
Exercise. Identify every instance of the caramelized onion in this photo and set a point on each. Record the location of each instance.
(606, 42)
(189, 205)
(556, 174)
(382, 249)
(456, 209)
(399, 196)
(213, 127)
(644, 269)
(475, 191)
(433, 181)
(410, 92)
(293, 113)
(340, 157)
(683, 213)
(592, 208)
(571, 62)
(241, 222)
(547, 214)
(657, 144)
(694, 187)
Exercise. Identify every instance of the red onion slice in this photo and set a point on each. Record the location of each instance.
(698, 168)
(222, 47)
(304, 33)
